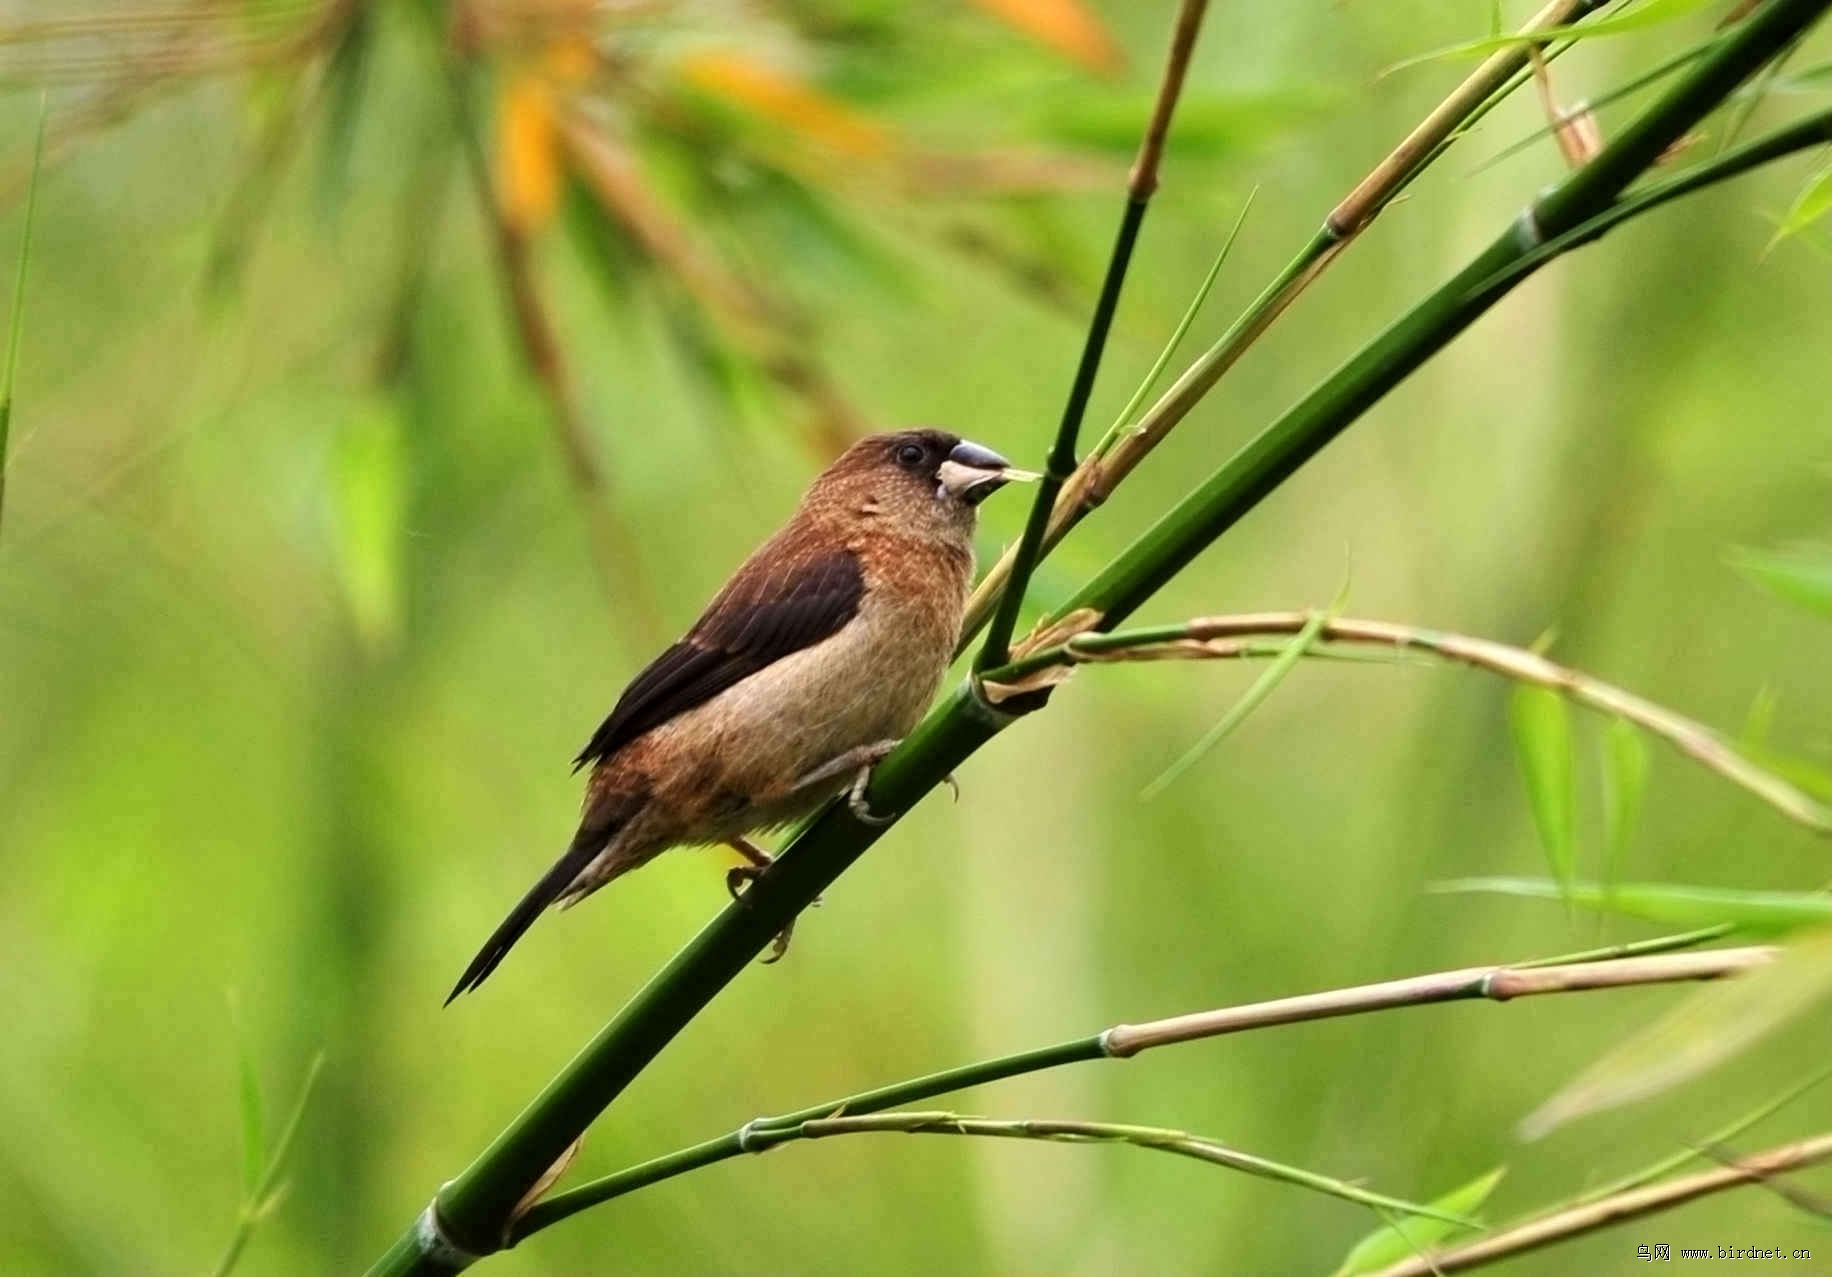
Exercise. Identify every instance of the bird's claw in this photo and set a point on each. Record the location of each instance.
(861, 809)
(738, 880)
(855, 801)
(738, 877)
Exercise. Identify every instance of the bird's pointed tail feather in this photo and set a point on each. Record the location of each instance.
(553, 884)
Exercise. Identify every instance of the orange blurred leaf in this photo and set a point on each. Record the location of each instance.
(788, 101)
(527, 152)
(1067, 26)
(570, 59)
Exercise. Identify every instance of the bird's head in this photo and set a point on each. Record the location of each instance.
(923, 482)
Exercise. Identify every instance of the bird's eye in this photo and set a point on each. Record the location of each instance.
(910, 455)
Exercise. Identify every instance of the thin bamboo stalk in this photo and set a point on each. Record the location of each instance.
(1634, 1204)
(1120, 452)
(1060, 464)
(1357, 385)
(1619, 966)
(1236, 637)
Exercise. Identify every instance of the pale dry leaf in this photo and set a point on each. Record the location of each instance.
(1706, 1028)
(1053, 632)
(1035, 681)
(545, 1182)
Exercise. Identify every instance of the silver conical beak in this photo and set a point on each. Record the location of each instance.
(972, 473)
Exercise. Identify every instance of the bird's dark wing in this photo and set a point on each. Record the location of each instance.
(777, 604)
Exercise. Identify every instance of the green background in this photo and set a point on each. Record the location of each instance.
(291, 667)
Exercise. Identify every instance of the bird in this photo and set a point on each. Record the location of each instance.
(822, 650)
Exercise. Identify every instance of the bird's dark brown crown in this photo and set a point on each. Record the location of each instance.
(891, 482)
(916, 453)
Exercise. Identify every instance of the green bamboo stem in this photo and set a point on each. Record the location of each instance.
(1121, 450)
(1060, 464)
(763, 1132)
(1357, 385)
(1594, 969)
(471, 1213)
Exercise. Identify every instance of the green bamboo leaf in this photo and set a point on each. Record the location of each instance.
(1723, 1135)
(1814, 779)
(1767, 912)
(16, 321)
(1813, 79)
(1598, 101)
(1813, 203)
(1271, 677)
(613, 262)
(1800, 574)
(1707, 1028)
(289, 1131)
(1625, 777)
(1396, 1241)
(1542, 741)
(1653, 13)
(254, 1137)
(345, 80)
(370, 480)
(1183, 326)
(269, 1189)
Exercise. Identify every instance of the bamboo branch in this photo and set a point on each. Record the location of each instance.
(1120, 452)
(1236, 637)
(1070, 1132)
(1365, 379)
(1619, 966)
(1613, 1210)
(1061, 462)
(469, 1214)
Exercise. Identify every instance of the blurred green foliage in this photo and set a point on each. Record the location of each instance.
(299, 625)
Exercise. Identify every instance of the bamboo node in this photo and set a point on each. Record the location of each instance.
(986, 708)
(1527, 232)
(436, 1244)
(748, 1133)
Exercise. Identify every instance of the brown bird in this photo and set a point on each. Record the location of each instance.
(821, 651)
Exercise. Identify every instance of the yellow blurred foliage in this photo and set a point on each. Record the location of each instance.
(788, 101)
(527, 152)
(1067, 26)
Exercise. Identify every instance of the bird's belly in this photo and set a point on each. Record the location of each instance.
(754, 741)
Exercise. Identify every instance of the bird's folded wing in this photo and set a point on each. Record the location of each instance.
(777, 604)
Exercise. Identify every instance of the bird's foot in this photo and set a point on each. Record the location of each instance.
(739, 878)
(858, 761)
(855, 799)
(861, 809)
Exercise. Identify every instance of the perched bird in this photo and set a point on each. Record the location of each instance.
(821, 651)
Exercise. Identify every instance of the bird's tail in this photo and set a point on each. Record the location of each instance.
(585, 848)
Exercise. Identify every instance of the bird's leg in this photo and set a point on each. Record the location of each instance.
(739, 877)
(850, 761)
(860, 760)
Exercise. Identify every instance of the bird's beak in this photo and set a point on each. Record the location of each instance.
(972, 473)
